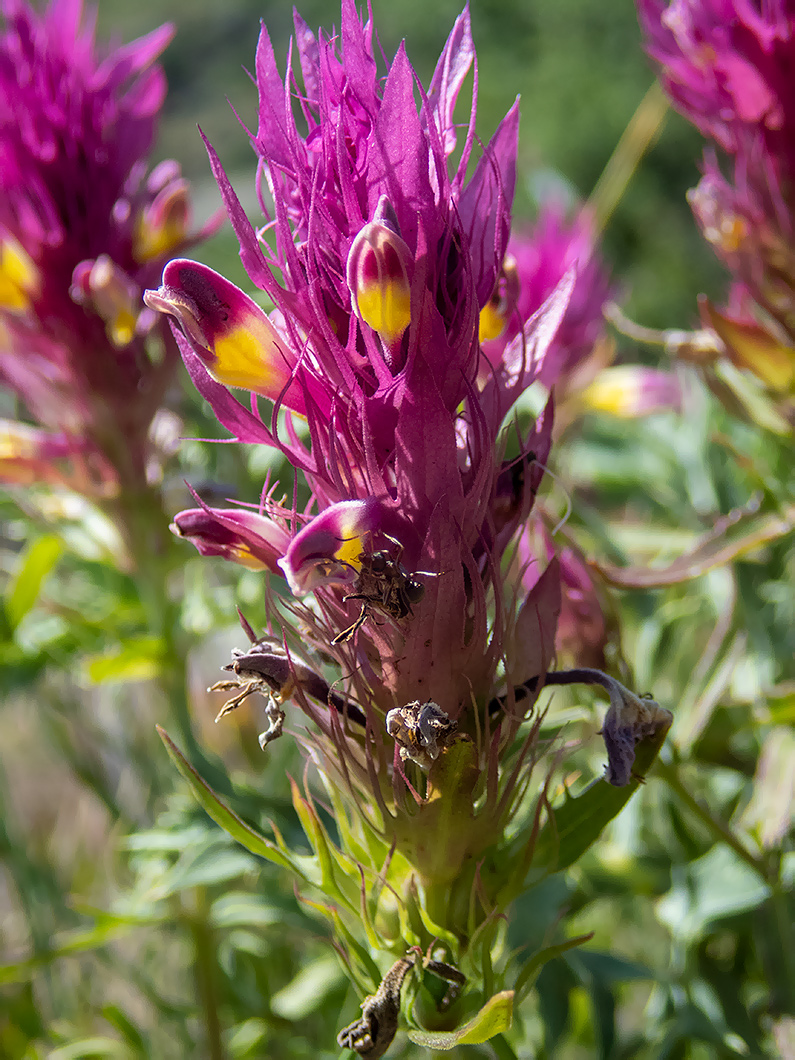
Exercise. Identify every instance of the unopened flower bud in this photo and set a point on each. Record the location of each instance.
(164, 223)
(750, 346)
(631, 391)
(495, 313)
(106, 289)
(379, 269)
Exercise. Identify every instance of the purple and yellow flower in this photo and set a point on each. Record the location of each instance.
(83, 231)
(387, 261)
(383, 376)
(727, 66)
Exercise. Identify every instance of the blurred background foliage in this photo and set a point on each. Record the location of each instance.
(133, 927)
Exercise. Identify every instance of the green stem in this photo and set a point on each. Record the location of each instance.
(779, 901)
(670, 774)
(156, 557)
(502, 1050)
(205, 969)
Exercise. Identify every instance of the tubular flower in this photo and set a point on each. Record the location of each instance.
(83, 230)
(246, 537)
(576, 363)
(727, 66)
(407, 592)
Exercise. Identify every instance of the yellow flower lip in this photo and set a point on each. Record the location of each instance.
(19, 276)
(238, 344)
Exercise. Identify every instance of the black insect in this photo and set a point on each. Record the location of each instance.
(383, 584)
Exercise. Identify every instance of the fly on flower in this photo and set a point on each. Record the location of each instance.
(384, 583)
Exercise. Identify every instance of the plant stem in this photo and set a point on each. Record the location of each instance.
(670, 774)
(779, 901)
(204, 950)
(502, 1050)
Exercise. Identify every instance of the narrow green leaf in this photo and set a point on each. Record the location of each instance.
(494, 1018)
(68, 944)
(320, 842)
(228, 820)
(36, 563)
(531, 968)
(121, 1022)
(577, 824)
(735, 536)
(106, 1048)
(140, 659)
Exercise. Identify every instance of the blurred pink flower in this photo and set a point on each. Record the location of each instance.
(729, 67)
(83, 230)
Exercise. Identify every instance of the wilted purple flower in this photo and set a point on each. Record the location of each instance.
(83, 230)
(728, 67)
(244, 536)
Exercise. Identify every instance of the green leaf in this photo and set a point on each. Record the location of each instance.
(140, 659)
(69, 943)
(309, 989)
(211, 865)
(36, 563)
(717, 886)
(106, 1048)
(494, 1018)
(531, 968)
(121, 1022)
(577, 824)
(771, 811)
(734, 537)
(237, 828)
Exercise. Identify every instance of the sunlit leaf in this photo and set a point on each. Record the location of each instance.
(578, 823)
(309, 989)
(771, 812)
(247, 836)
(494, 1018)
(36, 563)
(716, 886)
(140, 659)
(531, 968)
(734, 538)
(107, 1048)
